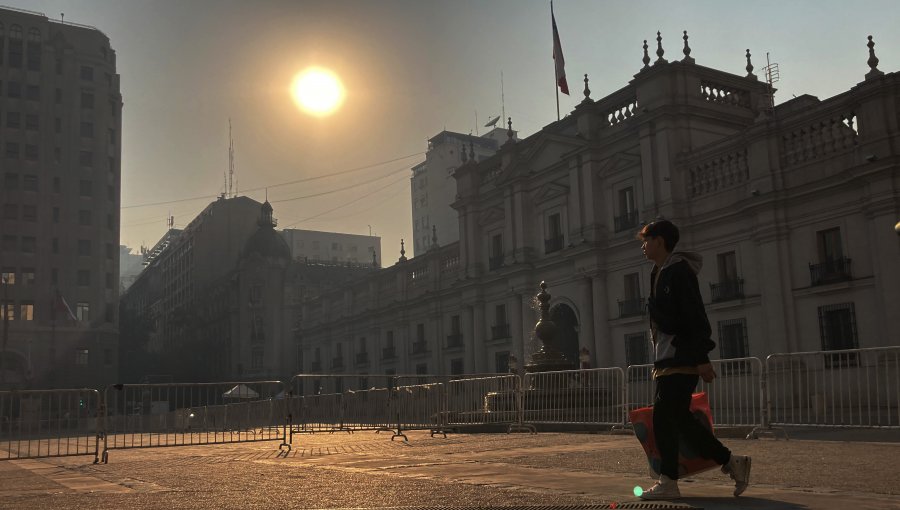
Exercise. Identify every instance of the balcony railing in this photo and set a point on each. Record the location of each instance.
(830, 271)
(500, 331)
(316, 366)
(419, 347)
(337, 363)
(362, 358)
(388, 353)
(495, 262)
(727, 290)
(454, 340)
(632, 307)
(553, 244)
(627, 221)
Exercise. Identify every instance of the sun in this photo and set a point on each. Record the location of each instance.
(317, 91)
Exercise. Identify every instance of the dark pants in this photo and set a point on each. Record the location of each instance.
(672, 417)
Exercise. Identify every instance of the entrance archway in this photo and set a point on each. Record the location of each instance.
(566, 330)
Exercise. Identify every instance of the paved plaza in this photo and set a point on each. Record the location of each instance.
(368, 470)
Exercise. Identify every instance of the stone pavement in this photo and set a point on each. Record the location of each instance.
(368, 470)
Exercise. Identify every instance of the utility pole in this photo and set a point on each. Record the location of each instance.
(4, 281)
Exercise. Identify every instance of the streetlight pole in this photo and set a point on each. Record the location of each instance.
(4, 281)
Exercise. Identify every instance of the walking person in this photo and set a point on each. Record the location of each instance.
(680, 333)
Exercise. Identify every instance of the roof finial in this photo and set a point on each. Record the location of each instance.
(509, 131)
(646, 59)
(374, 260)
(659, 50)
(402, 252)
(587, 91)
(749, 66)
(687, 50)
(873, 61)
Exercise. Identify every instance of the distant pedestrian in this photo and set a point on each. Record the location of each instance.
(584, 358)
(681, 334)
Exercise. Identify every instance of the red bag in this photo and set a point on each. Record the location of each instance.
(689, 462)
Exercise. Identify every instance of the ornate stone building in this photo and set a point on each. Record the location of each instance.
(792, 207)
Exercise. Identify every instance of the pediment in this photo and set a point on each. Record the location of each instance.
(492, 215)
(545, 152)
(550, 191)
(619, 161)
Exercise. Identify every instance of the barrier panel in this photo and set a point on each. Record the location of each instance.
(334, 402)
(49, 423)
(483, 400)
(735, 395)
(846, 388)
(591, 396)
(154, 415)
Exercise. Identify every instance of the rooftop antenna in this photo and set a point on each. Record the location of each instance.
(231, 192)
(476, 122)
(502, 99)
(772, 76)
(170, 221)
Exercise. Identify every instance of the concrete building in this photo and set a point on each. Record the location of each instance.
(792, 208)
(332, 247)
(220, 300)
(433, 189)
(60, 133)
(130, 266)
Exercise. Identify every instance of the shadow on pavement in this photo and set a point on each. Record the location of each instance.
(713, 503)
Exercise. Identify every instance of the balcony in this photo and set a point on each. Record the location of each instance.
(316, 366)
(632, 307)
(500, 331)
(495, 263)
(362, 358)
(627, 221)
(454, 341)
(337, 363)
(727, 290)
(388, 353)
(553, 244)
(830, 271)
(419, 347)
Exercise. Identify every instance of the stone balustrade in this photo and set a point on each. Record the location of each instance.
(722, 171)
(724, 94)
(819, 138)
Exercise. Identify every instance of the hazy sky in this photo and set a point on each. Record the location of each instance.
(411, 69)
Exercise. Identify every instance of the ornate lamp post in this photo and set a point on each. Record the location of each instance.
(549, 358)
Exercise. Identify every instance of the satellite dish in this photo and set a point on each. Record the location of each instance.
(492, 122)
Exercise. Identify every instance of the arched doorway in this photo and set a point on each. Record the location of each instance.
(566, 330)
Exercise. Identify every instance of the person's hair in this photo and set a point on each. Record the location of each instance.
(661, 228)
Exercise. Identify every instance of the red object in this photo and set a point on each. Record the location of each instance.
(558, 59)
(689, 462)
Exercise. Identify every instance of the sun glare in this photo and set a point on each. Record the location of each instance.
(318, 91)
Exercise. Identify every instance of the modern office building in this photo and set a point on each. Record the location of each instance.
(433, 188)
(332, 247)
(792, 206)
(60, 147)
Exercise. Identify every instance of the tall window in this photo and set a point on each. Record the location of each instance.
(733, 342)
(81, 357)
(829, 245)
(454, 324)
(626, 217)
(500, 314)
(256, 359)
(456, 366)
(501, 362)
(626, 201)
(837, 328)
(26, 312)
(637, 349)
(389, 339)
(554, 240)
(83, 312)
(420, 332)
(7, 310)
(633, 286)
(727, 266)
(496, 255)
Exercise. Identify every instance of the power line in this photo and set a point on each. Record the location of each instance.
(346, 204)
(345, 188)
(307, 179)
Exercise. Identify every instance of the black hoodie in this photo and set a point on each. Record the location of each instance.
(681, 331)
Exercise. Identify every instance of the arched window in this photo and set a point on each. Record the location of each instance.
(34, 35)
(15, 33)
(15, 46)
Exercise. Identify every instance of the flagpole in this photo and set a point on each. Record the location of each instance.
(555, 79)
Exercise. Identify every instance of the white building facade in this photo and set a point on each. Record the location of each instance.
(331, 247)
(792, 208)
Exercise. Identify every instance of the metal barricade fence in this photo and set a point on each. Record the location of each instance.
(154, 415)
(483, 400)
(735, 395)
(845, 388)
(332, 402)
(49, 423)
(590, 396)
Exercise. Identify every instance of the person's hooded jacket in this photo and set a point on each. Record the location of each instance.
(680, 328)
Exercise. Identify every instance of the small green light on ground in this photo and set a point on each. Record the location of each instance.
(638, 490)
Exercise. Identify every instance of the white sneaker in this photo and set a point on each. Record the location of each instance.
(738, 467)
(665, 488)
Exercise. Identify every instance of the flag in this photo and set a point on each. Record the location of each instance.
(558, 59)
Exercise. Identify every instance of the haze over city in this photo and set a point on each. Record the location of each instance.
(410, 70)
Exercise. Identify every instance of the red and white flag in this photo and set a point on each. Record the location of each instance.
(558, 59)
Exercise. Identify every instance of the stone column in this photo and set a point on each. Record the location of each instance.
(586, 320)
(467, 327)
(478, 337)
(603, 343)
(518, 330)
